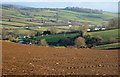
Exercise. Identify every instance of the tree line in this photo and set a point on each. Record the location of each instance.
(84, 10)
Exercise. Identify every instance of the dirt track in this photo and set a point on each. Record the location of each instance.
(35, 60)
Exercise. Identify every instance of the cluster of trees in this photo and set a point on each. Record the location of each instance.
(111, 24)
(114, 23)
(6, 6)
(84, 10)
(86, 41)
(81, 41)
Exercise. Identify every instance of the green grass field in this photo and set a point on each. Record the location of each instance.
(106, 35)
(108, 46)
(56, 38)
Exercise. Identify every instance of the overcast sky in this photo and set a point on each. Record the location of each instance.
(105, 5)
(59, 0)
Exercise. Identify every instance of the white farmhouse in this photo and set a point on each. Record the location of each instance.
(39, 26)
(103, 28)
(70, 25)
(96, 29)
(88, 29)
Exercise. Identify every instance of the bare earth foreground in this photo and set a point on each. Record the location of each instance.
(37, 60)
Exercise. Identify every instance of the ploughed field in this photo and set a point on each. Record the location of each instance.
(21, 59)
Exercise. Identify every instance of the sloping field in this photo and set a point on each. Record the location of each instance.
(20, 18)
(36, 60)
(110, 46)
(106, 35)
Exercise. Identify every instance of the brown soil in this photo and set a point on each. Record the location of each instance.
(21, 59)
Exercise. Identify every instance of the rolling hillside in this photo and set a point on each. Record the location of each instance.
(26, 27)
(18, 17)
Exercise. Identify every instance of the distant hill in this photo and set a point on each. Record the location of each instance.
(84, 10)
(13, 15)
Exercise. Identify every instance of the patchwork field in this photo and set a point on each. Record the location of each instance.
(37, 60)
(15, 17)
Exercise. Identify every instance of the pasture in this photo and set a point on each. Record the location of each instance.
(106, 35)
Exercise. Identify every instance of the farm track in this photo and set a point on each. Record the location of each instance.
(37, 60)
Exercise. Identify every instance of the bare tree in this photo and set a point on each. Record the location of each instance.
(83, 28)
(80, 42)
(53, 30)
(113, 23)
(43, 42)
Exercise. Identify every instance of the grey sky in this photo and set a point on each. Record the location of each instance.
(59, 0)
(106, 5)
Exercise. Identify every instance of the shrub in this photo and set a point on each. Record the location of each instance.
(66, 42)
(43, 42)
(100, 40)
(113, 40)
(93, 41)
(46, 32)
(11, 38)
(80, 42)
